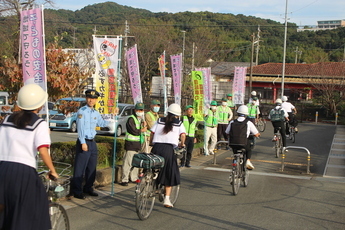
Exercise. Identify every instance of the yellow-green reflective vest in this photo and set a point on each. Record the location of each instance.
(190, 127)
(252, 110)
(211, 119)
(130, 137)
(223, 114)
(153, 117)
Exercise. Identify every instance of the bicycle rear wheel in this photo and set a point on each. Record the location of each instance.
(245, 177)
(236, 180)
(293, 135)
(58, 217)
(144, 197)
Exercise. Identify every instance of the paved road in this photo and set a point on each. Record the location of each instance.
(273, 200)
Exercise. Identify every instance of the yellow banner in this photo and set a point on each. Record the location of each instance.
(198, 86)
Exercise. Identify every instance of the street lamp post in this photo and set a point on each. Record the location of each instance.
(284, 55)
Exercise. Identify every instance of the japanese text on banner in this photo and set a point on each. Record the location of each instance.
(239, 85)
(198, 86)
(176, 68)
(134, 74)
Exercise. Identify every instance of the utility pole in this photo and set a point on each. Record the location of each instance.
(95, 30)
(193, 55)
(183, 47)
(257, 46)
(284, 55)
(296, 51)
(251, 65)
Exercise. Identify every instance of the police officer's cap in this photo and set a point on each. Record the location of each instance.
(91, 93)
(229, 95)
(139, 106)
(213, 103)
(224, 99)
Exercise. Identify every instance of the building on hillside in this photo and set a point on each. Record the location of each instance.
(325, 25)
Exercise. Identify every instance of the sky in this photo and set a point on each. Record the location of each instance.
(301, 12)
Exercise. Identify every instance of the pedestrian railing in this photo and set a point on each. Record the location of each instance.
(296, 147)
(215, 151)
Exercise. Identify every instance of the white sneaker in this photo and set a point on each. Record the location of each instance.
(167, 202)
(296, 130)
(211, 153)
(249, 165)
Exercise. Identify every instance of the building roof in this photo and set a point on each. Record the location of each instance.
(319, 69)
(226, 68)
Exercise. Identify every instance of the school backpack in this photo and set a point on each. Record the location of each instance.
(238, 133)
(277, 115)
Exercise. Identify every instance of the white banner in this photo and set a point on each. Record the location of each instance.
(239, 85)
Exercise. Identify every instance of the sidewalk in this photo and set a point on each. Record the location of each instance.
(71, 202)
(335, 166)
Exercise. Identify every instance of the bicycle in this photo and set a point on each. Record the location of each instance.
(292, 135)
(57, 188)
(261, 124)
(239, 171)
(278, 145)
(147, 189)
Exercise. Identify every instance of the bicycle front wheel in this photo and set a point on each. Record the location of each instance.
(174, 193)
(261, 125)
(236, 181)
(58, 217)
(144, 197)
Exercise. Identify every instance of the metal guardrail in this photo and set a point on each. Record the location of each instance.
(215, 151)
(297, 147)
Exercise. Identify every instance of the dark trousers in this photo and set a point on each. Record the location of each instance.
(84, 166)
(221, 132)
(276, 125)
(247, 148)
(190, 146)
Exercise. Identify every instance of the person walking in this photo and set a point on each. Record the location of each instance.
(165, 136)
(88, 118)
(224, 117)
(239, 131)
(211, 123)
(23, 199)
(136, 128)
(189, 122)
(278, 116)
(292, 111)
(150, 117)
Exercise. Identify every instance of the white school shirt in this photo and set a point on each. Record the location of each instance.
(288, 107)
(169, 138)
(21, 145)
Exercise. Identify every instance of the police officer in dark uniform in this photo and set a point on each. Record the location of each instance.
(86, 149)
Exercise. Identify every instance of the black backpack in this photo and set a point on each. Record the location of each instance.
(238, 133)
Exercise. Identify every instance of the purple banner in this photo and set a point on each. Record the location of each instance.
(32, 44)
(134, 75)
(176, 68)
(239, 85)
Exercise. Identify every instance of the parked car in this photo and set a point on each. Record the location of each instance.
(125, 110)
(64, 114)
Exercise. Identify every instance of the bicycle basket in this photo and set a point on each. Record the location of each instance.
(180, 152)
(61, 187)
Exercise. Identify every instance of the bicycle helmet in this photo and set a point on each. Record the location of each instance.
(31, 97)
(253, 93)
(175, 109)
(278, 101)
(284, 98)
(243, 109)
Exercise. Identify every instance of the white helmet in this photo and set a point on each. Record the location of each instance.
(284, 98)
(253, 93)
(278, 101)
(31, 97)
(175, 109)
(243, 109)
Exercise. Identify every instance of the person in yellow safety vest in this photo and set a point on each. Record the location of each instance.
(211, 123)
(136, 127)
(253, 110)
(150, 117)
(189, 123)
(230, 102)
(224, 117)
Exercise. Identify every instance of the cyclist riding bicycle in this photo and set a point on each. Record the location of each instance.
(292, 111)
(239, 131)
(278, 116)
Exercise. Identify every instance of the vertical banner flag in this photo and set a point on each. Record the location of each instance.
(206, 73)
(33, 48)
(161, 63)
(134, 75)
(176, 68)
(239, 85)
(107, 58)
(198, 86)
(33, 56)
